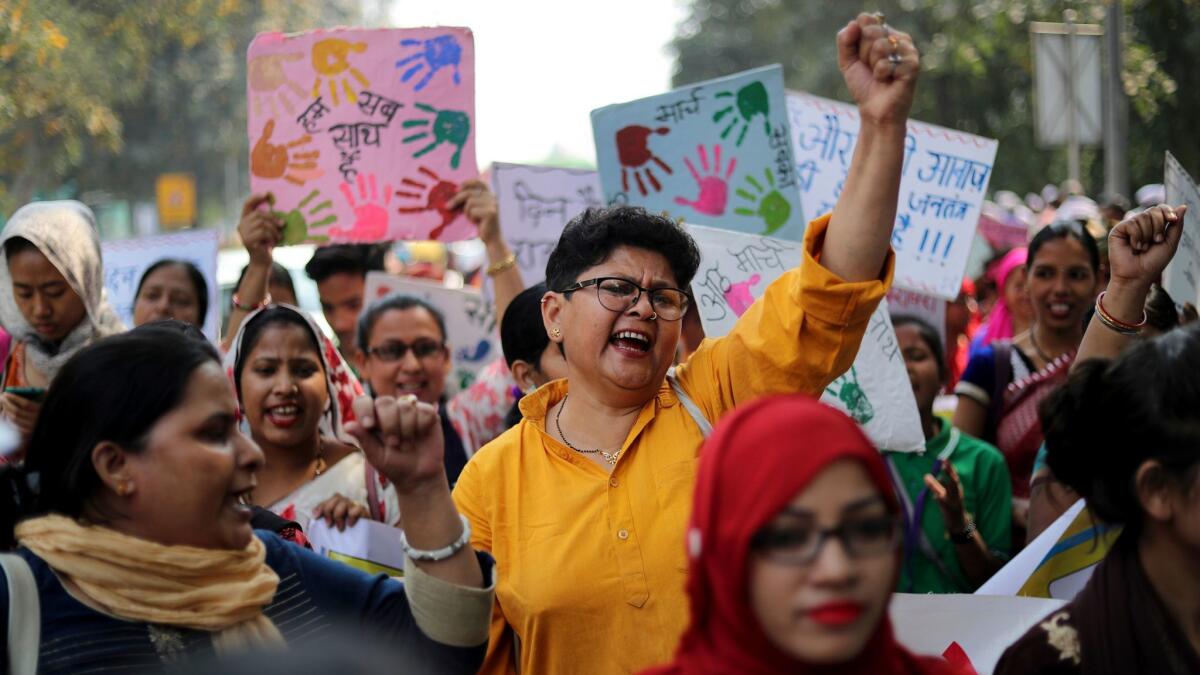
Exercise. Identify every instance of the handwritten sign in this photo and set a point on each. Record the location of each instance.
(925, 307)
(715, 153)
(536, 202)
(126, 261)
(942, 186)
(1182, 276)
(470, 316)
(735, 270)
(363, 135)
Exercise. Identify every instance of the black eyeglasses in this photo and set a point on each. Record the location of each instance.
(800, 545)
(395, 350)
(621, 295)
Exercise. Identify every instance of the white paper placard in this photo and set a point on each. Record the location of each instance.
(126, 260)
(470, 317)
(735, 270)
(1182, 277)
(369, 546)
(536, 202)
(944, 181)
(928, 308)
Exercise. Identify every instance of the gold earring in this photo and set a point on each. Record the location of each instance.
(124, 489)
(556, 333)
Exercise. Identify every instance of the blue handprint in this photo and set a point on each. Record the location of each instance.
(434, 54)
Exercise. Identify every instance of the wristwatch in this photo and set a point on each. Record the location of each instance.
(965, 536)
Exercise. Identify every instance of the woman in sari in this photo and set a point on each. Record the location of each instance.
(595, 483)
(999, 393)
(52, 299)
(135, 541)
(1125, 435)
(793, 549)
(294, 390)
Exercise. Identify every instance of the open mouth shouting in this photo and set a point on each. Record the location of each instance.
(284, 416)
(632, 343)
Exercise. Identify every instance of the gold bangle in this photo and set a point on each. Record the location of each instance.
(498, 267)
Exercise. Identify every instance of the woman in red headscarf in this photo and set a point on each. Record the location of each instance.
(793, 549)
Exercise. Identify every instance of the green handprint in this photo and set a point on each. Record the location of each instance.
(295, 223)
(852, 396)
(773, 207)
(751, 100)
(448, 126)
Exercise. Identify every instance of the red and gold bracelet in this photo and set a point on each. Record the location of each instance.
(1115, 324)
(237, 303)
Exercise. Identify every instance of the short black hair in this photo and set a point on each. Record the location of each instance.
(1160, 309)
(1111, 416)
(199, 283)
(397, 301)
(522, 334)
(115, 389)
(929, 336)
(275, 315)
(346, 258)
(591, 237)
(279, 277)
(1065, 229)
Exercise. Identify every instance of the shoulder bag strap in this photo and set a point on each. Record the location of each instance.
(24, 615)
(693, 409)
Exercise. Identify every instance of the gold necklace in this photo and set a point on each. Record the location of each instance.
(610, 457)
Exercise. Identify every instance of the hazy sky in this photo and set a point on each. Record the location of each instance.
(543, 65)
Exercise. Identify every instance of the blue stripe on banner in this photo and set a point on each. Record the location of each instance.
(1074, 540)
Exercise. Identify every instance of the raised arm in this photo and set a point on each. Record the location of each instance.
(260, 233)
(880, 65)
(480, 206)
(1138, 252)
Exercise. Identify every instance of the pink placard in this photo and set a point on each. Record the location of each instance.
(363, 135)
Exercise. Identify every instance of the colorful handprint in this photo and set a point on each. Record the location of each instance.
(738, 295)
(296, 222)
(633, 151)
(447, 126)
(269, 83)
(268, 160)
(437, 195)
(331, 58)
(370, 210)
(481, 351)
(847, 390)
(751, 100)
(432, 56)
(714, 188)
(773, 208)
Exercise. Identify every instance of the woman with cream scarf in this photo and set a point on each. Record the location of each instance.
(52, 299)
(130, 511)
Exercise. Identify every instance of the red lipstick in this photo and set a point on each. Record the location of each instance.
(836, 614)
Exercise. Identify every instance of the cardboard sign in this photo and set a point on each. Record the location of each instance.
(716, 153)
(471, 333)
(942, 186)
(1182, 277)
(536, 202)
(369, 546)
(735, 270)
(363, 135)
(126, 261)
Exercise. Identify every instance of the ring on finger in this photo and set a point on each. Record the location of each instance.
(894, 42)
(879, 17)
(895, 59)
(407, 398)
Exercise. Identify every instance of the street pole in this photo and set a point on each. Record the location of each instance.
(1072, 103)
(1116, 163)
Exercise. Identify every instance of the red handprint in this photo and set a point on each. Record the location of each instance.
(714, 188)
(436, 199)
(633, 151)
(370, 211)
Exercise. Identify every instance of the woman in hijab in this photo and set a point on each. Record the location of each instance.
(295, 393)
(793, 549)
(52, 299)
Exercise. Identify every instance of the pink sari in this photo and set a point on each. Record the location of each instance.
(1019, 430)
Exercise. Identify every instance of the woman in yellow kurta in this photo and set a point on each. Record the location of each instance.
(584, 504)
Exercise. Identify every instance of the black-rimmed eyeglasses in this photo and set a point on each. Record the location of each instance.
(621, 295)
(800, 545)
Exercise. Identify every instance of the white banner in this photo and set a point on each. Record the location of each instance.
(1182, 277)
(126, 260)
(536, 202)
(942, 186)
(736, 268)
(471, 333)
(369, 546)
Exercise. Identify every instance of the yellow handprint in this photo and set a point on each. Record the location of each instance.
(268, 82)
(331, 58)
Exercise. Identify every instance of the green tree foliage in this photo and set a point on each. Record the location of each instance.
(977, 69)
(107, 94)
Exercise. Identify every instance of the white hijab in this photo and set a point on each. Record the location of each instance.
(64, 232)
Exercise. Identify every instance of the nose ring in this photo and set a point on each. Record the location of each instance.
(295, 388)
(653, 316)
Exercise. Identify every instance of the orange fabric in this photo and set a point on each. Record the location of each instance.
(14, 370)
(591, 568)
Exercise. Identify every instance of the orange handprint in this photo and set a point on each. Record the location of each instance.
(331, 58)
(268, 82)
(268, 160)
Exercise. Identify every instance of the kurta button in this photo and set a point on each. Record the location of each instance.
(622, 534)
(614, 482)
